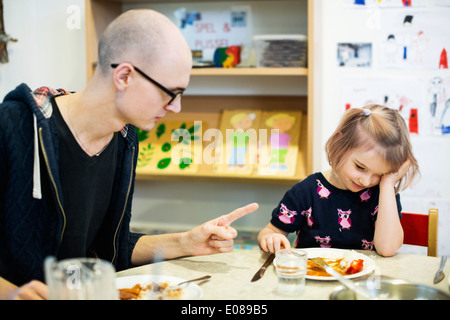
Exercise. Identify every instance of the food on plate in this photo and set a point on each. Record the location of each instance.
(160, 291)
(133, 293)
(344, 266)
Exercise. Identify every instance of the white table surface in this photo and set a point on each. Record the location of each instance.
(231, 274)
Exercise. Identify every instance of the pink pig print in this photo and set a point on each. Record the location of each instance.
(344, 219)
(286, 216)
(365, 196)
(321, 190)
(324, 242)
(309, 218)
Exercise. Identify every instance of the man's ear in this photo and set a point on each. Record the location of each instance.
(122, 76)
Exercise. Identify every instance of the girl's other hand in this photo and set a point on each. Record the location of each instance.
(273, 242)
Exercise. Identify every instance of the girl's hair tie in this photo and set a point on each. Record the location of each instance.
(367, 112)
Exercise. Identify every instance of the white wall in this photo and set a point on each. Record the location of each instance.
(49, 52)
(336, 23)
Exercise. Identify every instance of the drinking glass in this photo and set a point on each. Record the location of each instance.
(80, 279)
(290, 265)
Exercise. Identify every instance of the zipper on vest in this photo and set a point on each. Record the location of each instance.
(52, 179)
(123, 211)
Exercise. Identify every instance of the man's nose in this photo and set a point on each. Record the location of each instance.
(175, 107)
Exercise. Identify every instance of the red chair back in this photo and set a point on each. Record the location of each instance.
(415, 228)
(421, 230)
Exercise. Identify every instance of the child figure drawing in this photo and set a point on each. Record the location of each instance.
(356, 203)
(279, 142)
(240, 138)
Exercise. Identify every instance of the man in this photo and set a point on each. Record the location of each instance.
(67, 161)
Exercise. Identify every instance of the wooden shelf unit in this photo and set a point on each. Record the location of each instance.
(208, 108)
(294, 72)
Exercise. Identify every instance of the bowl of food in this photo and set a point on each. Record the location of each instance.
(385, 288)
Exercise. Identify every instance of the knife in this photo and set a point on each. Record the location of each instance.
(440, 274)
(258, 275)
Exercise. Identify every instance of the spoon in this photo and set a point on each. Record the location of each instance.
(440, 274)
(347, 283)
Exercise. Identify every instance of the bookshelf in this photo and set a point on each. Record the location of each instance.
(208, 107)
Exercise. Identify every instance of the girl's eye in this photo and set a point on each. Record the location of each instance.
(359, 167)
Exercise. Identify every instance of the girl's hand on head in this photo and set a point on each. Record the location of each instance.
(393, 177)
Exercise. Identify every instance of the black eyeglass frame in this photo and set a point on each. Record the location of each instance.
(174, 96)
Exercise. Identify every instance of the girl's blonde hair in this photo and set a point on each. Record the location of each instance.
(374, 127)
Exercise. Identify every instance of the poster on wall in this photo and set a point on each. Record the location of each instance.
(205, 31)
(414, 39)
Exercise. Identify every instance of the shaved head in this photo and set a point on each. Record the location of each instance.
(142, 37)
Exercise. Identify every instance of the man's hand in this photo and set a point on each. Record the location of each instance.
(33, 290)
(216, 235)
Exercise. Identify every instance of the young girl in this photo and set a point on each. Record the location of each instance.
(355, 204)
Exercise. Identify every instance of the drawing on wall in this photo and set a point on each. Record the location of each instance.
(385, 3)
(279, 155)
(169, 147)
(439, 105)
(414, 39)
(403, 94)
(443, 3)
(240, 138)
(354, 55)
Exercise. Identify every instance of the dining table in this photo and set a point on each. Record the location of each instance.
(231, 274)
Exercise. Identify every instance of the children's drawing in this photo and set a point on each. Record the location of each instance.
(385, 3)
(169, 148)
(281, 149)
(414, 39)
(239, 148)
(439, 105)
(279, 142)
(405, 94)
(240, 138)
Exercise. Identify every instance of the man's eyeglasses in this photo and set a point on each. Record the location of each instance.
(174, 95)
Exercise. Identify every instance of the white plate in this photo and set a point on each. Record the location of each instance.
(191, 291)
(368, 266)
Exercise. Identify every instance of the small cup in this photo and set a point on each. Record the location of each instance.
(290, 265)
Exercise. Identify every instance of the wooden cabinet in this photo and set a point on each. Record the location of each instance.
(208, 107)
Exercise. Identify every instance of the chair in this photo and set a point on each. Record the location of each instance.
(421, 230)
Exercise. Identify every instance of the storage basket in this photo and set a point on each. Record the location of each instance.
(279, 51)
